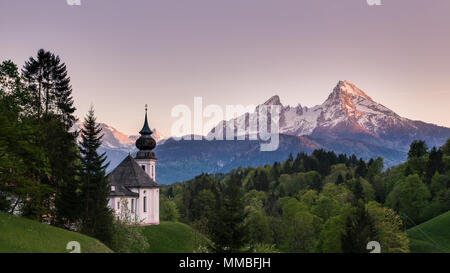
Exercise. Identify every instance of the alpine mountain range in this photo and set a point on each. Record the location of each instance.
(348, 121)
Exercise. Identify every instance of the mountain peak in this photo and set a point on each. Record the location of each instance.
(274, 100)
(349, 89)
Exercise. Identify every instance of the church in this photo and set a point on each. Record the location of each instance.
(134, 191)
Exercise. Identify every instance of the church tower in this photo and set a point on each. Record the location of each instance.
(133, 182)
(146, 143)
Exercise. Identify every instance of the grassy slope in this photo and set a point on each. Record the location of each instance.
(172, 237)
(438, 229)
(22, 235)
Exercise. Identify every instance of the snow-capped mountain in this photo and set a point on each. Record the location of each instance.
(116, 144)
(347, 113)
(114, 139)
(348, 121)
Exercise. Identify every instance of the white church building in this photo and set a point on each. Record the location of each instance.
(134, 191)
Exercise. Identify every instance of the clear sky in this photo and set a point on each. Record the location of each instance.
(123, 54)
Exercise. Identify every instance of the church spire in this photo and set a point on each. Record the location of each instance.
(146, 129)
(145, 143)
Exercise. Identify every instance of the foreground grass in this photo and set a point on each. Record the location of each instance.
(433, 236)
(173, 237)
(20, 235)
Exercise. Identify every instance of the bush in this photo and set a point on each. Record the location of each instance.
(128, 236)
(168, 210)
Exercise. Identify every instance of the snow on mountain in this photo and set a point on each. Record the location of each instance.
(348, 121)
(346, 103)
(114, 139)
(347, 112)
(160, 138)
(116, 144)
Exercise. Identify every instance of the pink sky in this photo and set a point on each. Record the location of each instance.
(123, 54)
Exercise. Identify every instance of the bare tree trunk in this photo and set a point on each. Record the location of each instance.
(39, 94)
(14, 207)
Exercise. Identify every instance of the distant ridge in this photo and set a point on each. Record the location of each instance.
(349, 121)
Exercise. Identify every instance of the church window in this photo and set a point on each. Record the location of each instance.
(145, 203)
(143, 167)
(132, 205)
(118, 204)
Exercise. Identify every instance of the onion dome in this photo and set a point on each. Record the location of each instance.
(145, 143)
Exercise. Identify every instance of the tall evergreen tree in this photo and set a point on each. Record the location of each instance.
(361, 169)
(359, 230)
(46, 77)
(52, 107)
(287, 166)
(434, 164)
(67, 202)
(261, 181)
(96, 217)
(418, 148)
(229, 232)
(323, 159)
(358, 190)
(297, 165)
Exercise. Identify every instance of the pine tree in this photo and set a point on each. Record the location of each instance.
(229, 231)
(434, 164)
(287, 166)
(361, 169)
(276, 170)
(261, 181)
(359, 230)
(68, 205)
(358, 190)
(418, 148)
(96, 217)
(52, 107)
(297, 165)
(46, 78)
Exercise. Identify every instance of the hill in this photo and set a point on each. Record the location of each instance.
(432, 236)
(173, 237)
(20, 235)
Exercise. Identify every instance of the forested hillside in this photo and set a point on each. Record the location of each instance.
(321, 202)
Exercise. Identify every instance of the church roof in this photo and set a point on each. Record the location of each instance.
(121, 190)
(129, 174)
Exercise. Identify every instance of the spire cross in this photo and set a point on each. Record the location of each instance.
(145, 107)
